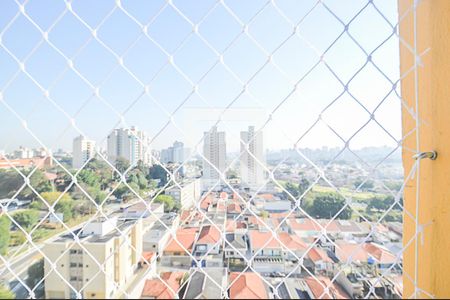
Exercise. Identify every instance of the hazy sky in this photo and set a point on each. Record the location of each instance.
(169, 91)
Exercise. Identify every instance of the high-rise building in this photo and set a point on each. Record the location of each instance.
(83, 150)
(102, 264)
(23, 152)
(176, 153)
(130, 144)
(252, 159)
(215, 153)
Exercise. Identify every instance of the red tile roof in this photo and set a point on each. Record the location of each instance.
(247, 286)
(361, 253)
(317, 254)
(185, 237)
(292, 241)
(155, 288)
(224, 195)
(304, 224)
(317, 286)
(147, 256)
(259, 239)
(234, 208)
(232, 225)
(266, 196)
(209, 235)
(206, 202)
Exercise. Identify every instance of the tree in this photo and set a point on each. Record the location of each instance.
(35, 274)
(363, 185)
(122, 164)
(381, 203)
(65, 206)
(6, 293)
(5, 234)
(303, 185)
(167, 200)
(51, 197)
(121, 191)
(327, 205)
(10, 183)
(292, 189)
(27, 218)
(264, 214)
(158, 172)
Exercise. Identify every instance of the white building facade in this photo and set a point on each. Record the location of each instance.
(214, 163)
(252, 159)
(83, 150)
(130, 144)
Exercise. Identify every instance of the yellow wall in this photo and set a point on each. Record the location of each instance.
(433, 94)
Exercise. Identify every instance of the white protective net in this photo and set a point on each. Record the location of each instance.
(322, 219)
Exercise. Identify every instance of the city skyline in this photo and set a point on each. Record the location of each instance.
(120, 98)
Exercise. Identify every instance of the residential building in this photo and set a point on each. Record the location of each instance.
(252, 159)
(165, 287)
(23, 153)
(130, 144)
(186, 192)
(212, 286)
(178, 251)
(237, 251)
(247, 285)
(176, 153)
(82, 150)
(113, 246)
(208, 247)
(214, 162)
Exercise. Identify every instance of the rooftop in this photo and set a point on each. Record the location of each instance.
(246, 286)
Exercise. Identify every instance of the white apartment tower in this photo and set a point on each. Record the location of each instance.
(215, 153)
(83, 150)
(130, 144)
(252, 159)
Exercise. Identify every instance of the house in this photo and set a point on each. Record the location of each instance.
(234, 210)
(246, 285)
(165, 287)
(177, 252)
(367, 253)
(267, 251)
(236, 251)
(210, 286)
(322, 263)
(305, 227)
(209, 244)
(156, 238)
(321, 287)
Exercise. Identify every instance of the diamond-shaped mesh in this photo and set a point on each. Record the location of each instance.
(116, 218)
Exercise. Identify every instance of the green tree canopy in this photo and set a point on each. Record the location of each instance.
(26, 218)
(327, 205)
(158, 172)
(167, 200)
(35, 273)
(5, 234)
(5, 293)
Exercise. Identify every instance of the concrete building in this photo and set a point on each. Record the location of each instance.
(83, 150)
(130, 144)
(176, 153)
(215, 152)
(213, 286)
(23, 153)
(252, 159)
(187, 193)
(102, 243)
